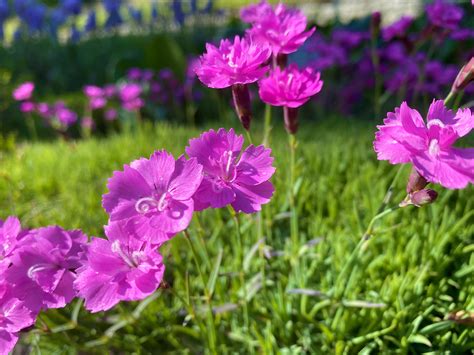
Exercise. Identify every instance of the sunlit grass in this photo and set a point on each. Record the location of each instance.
(417, 269)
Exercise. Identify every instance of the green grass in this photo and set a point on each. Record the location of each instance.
(417, 269)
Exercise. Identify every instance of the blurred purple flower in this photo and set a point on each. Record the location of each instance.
(444, 14)
(397, 29)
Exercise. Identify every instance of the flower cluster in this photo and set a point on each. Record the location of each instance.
(398, 55)
(148, 203)
(37, 272)
(406, 138)
(275, 33)
(56, 115)
(151, 200)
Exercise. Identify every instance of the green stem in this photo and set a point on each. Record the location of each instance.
(294, 215)
(32, 127)
(249, 136)
(448, 98)
(267, 125)
(212, 338)
(240, 255)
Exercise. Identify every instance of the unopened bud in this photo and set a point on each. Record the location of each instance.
(465, 76)
(290, 116)
(416, 182)
(375, 20)
(243, 106)
(424, 197)
(282, 60)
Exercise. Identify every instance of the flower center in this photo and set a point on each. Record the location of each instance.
(158, 201)
(33, 270)
(227, 166)
(433, 149)
(435, 122)
(131, 260)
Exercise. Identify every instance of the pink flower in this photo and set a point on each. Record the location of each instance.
(9, 235)
(129, 92)
(44, 110)
(254, 12)
(405, 138)
(92, 91)
(241, 62)
(65, 116)
(14, 317)
(42, 270)
(156, 194)
(122, 268)
(24, 91)
(289, 87)
(27, 107)
(87, 123)
(230, 175)
(110, 114)
(96, 96)
(283, 29)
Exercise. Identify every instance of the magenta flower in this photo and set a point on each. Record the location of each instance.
(24, 91)
(397, 29)
(405, 138)
(241, 62)
(110, 114)
(122, 268)
(65, 116)
(283, 29)
(290, 87)
(134, 74)
(27, 107)
(96, 96)
(44, 110)
(444, 14)
(42, 270)
(230, 175)
(156, 194)
(130, 96)
(14, 317)
(254, 12)
(10, 231)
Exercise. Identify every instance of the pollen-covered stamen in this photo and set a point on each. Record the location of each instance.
(116, 249)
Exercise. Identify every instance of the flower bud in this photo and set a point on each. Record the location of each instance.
(375, 20)
(465, 76)
(291, 119)
(243, 106)
(424, 197)
(416, 182)
(282, 60)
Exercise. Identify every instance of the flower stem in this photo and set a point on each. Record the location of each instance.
(32, 127)
(294, 215)
(341, 284)
(241, 256)
(267, 125)
(212, 338)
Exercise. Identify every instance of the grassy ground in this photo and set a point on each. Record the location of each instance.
(417, 269)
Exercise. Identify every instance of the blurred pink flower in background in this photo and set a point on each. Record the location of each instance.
(27, 107)
(284, 29)
(238, 62)
(24, 91)
(290, 87)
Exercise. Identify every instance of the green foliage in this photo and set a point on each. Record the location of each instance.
(417, 269)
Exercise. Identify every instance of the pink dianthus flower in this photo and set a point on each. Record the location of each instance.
(231, 176)
(406, 138)
(24, 91)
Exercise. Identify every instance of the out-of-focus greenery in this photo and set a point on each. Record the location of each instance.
(417, 269)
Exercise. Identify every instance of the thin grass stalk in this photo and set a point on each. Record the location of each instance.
(212, 337)
(240, 256)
